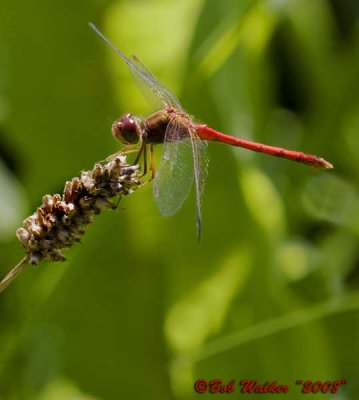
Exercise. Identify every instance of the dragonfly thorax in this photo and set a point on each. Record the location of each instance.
(126, 130)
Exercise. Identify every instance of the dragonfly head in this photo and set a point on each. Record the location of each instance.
(126, 130)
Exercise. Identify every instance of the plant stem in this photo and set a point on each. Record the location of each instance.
(14, 273)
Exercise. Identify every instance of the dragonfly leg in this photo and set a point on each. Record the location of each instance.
(125, 150)
(129, 149)
(144, 160)
(152, 162)
(140, 151)
(143, 150)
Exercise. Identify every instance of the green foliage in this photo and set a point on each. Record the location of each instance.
(140, 309)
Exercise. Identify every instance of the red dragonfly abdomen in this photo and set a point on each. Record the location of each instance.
(206, 133)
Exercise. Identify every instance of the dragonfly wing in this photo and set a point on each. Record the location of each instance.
(147, 77)
(184, 158)
(200, 166)
(146, 80)
(155, 102)
(138, 68)
(174, 177)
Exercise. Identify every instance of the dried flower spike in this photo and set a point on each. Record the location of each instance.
(61, 220)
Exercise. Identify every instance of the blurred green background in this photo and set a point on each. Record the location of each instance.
(141, 310)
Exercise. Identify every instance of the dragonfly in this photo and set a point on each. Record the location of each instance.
(185, 153)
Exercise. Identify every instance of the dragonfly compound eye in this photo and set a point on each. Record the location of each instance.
(126, 130)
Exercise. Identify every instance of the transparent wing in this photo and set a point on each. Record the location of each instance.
(174, 177)
(200, 164)
(139, 69)
(184, 158)
(158, 88)
(152, 99)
